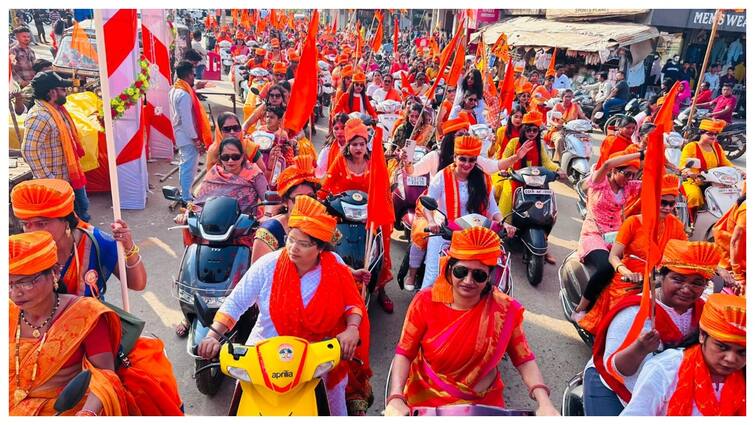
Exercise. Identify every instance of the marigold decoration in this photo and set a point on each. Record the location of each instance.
(128, 97)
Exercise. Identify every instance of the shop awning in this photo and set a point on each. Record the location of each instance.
(526, 31)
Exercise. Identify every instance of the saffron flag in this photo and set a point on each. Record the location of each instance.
(395, 36)
(335, 25)
(507, 87)
(380, 207)
(304, 90)
(405, 85)
(501, 48)
(552, 66)
(457, 66)
(443, 63)
(664, 119)
(81, 43)
(377, 38)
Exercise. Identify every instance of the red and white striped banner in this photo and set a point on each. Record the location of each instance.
(155, 39)
(122, 46)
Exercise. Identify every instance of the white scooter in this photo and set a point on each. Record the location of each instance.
(484, 133)
(575, 159)
(388, 114)
(721, 193)
(225, 55)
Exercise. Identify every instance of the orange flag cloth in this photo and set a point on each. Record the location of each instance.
(664, 119)
(80, 42)
(457, 66)
(395, 36)
(377, 38)
(552, 65)
(507, 87)
(304, 90)
(444, 63)
(380, 207)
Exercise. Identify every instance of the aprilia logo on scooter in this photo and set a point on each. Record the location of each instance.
(282, 374)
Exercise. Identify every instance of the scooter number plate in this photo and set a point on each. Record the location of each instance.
(729, 190)
(416, 181)
(681, 205)
(537, 191)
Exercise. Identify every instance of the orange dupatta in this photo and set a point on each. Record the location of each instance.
(72, 148)
(451, 191)
(63, 338)
(695, 384)
(325, 315)
(201, 122)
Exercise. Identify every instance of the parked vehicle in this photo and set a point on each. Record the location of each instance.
(733, 138)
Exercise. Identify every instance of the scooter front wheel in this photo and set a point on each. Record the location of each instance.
(209, 380)
(535, 265)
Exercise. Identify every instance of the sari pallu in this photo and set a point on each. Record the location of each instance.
(452, 362)
(63, 338)
(241, 187)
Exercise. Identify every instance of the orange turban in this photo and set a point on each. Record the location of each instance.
(725, 318)
(294, 57)
(260, 51)
(341, 59)
(453, 125)
(239, 35)
(533, 118)
(50, 198)
(355, 128)
(670, 185)
(713, 125)
(311, 217)
(359, 77)
(525, 88)
(279, 68)
(476, 243)
(687, 257)
(302, 170)
(467, 146)
(31, 253)
(347, 71)
(274, 42)
(518, 68)
(629, 150)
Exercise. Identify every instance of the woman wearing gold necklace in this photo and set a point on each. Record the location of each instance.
(54, 336)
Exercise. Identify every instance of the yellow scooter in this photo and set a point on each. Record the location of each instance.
(280, 376)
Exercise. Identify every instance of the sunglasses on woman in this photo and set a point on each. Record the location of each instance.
(275, 95)
(532, 130)
(467, 159)
(461, 272)
(710, 133)
(628, 174)
(668, 204)
(230, 157)
(231, 128)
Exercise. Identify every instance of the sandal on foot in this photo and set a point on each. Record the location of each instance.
(182, 329)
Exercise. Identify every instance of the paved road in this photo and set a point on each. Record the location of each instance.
(560, 353)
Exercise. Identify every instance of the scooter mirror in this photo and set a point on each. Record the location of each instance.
(73, 392)
(429, 203)
(255, 91)
(272, 197)
(171, 193)
(203, 312)
(692, 163)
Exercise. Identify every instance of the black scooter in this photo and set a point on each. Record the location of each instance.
(350, 208)
(211, 267)
(535, 222)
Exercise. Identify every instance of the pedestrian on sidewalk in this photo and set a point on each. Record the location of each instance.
(37, 14)
(22, 57)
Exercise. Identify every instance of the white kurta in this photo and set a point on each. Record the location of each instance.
(656, 384)
(255, 288)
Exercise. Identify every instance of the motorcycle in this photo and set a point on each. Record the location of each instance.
(732, 139)
(721, 193)
(406, 191)
(575, 159)
(350, 209)
(534, 214)
(279, 376)
(211, 266)
(609, 119)
(585, 101)
(325, 88)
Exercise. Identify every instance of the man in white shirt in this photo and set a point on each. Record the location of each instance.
(712, 77)
(562, 81)
(196, 44)
(184, 129)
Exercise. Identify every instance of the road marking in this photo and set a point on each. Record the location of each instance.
(563, 190)
(559, 326)
(169, 316)
(160, 244)
(568, 244)
(578, 220)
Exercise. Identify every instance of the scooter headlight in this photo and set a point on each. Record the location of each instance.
(239, 373)
(323, 368)
(537, 181)
(354, 212)
(674, 140)
(265, 142)
(727, 179)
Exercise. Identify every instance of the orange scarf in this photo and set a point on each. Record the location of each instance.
(451, 191)
(64, 337)
(74, 277)
(201, 122)
(69, 140)
(325, 315)
(700, 155)
(695, 384)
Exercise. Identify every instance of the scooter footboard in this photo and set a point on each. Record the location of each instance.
(535, 241)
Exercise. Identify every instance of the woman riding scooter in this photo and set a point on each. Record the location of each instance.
(440, 359)
(305, 291)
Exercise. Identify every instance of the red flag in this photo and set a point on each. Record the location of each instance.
(377, 38)
(664, 119)
(395, 36)
(304, 90)
(335, 25)
(406, 85)
(380, 205)
(552, 66)
(444, 63)
(235, 16)
(273, 18)
(457, 66)
(507, 87)
(80, 42)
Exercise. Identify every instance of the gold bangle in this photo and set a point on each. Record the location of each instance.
(133, 251)
(131, 266)
(616, 269)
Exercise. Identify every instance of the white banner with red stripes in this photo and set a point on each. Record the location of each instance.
(156, 36)
(122, 46)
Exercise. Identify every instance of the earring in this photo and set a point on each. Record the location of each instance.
(55, 285)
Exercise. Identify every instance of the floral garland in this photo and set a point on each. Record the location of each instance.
(128, 97)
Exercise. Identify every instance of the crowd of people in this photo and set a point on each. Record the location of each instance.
(689, 360)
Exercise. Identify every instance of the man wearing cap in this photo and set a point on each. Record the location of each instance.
(306, 291)
(51, 145)
(706, 379)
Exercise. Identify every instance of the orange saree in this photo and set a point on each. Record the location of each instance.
(630, 235)
(31, 397)
(453, 350)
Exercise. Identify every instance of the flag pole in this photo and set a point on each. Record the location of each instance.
(110, 143)
(713, 31)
